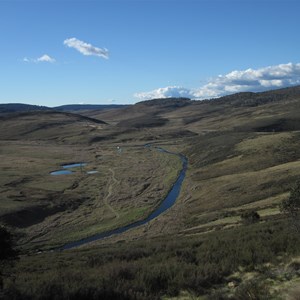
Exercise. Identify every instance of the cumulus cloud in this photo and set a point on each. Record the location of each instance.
(46, 58)
(43, 58)
(279, 76)
(166, 92)
(85, 48)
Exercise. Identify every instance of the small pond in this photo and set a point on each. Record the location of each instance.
(61, 172)
(69, 166)
(91, 172)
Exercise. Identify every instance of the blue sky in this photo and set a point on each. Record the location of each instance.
(59, 52)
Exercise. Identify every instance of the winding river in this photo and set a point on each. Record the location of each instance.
(168, 202)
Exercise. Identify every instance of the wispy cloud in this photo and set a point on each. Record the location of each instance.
(43, 58)
(85, 48)
(283, 75)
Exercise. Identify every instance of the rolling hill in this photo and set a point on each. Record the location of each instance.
(45, 124)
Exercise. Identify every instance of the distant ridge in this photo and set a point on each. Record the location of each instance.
(168, 102)
(258, 98)
(76, 107)
(249, 99)
(20, 107)
(237, 99)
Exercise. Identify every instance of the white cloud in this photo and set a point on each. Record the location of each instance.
(278, 76)
(166, 92)
(43, 58)
(85, 48)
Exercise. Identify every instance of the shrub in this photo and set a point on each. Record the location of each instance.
(291, 206)
(250, 217)
(252, 290)
(7, 253)
(6, 250)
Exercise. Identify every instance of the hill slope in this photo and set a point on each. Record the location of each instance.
(45, 125)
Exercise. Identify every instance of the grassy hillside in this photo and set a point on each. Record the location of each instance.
(243, 153)
(45, 125)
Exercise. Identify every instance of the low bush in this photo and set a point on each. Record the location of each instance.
(162, 266)
(250, 217)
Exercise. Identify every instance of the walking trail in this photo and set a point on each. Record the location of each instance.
(113, 181)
